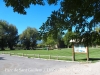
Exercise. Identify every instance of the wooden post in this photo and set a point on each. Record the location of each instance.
(87, 53)
(17, 54)
(38, 55)
(10, 53)
(22, 54)
(73, 53)
(49, 56)
(26, 55)
(34, 55)
(2, 52)
(57, 57)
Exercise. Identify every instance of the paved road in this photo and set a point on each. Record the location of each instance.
(14, 65)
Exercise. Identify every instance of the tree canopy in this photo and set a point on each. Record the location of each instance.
(78, 16)
(29, 38)
(82, 15)
(8, 35)
(20, 5)
(77, 12)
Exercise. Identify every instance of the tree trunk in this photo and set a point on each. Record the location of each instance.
(10, 45)
(2, 44)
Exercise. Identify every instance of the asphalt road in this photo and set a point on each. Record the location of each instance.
(15, 65)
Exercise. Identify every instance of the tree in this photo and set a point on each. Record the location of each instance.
(76, 10)
(72, 13)
(57, 22)
(20, 5)
(29, 38)
(8, 34)
(97, 29)
(67, 37)
(50, 41)
(11, 36)
(53, 26)
(2, 35)
(95, 36)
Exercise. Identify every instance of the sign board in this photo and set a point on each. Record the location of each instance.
(80, 48)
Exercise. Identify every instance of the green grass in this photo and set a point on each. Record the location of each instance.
(94, 54)
(63, 52)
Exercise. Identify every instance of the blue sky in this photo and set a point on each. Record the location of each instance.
(35, 17)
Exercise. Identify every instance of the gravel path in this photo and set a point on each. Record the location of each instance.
(80, 69)
(14, 65)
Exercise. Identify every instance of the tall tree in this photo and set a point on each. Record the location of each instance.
(2, 34)
(12, 36)
(67, 37)
(29, 38)
(8, 34)
(50, 41)
(53, 26)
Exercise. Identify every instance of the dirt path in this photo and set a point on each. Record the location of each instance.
(80, 69)
(14, 65)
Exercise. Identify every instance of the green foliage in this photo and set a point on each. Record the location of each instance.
(97, 40)
(3, 26)
(67, 37)
(29, 37)
(91, 38)
(20, 5)
(41, 45)
(50, 41)
(97, 29)
(8, 34)
(74, 11)
(12, 36)
(72, 14)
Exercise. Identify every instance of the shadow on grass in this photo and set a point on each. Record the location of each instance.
(7, 50)
(91, 59)
(2, 58)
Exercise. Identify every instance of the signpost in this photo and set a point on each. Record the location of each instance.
(79, 48)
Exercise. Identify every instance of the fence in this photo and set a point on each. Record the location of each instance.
(40, 56)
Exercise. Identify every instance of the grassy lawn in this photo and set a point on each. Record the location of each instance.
(94, 54)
